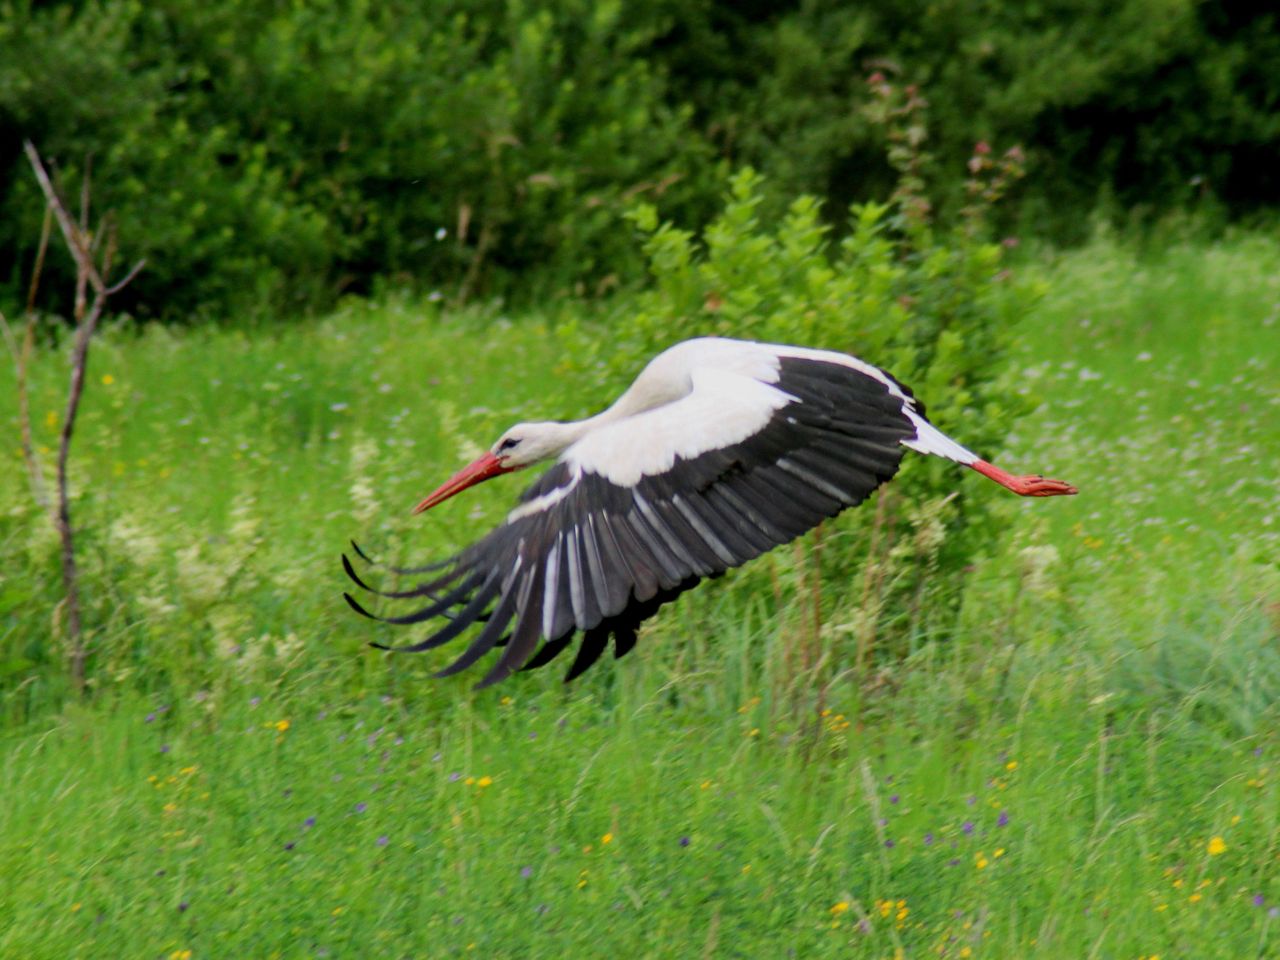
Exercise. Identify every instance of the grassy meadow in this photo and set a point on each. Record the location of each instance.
(1083, 765)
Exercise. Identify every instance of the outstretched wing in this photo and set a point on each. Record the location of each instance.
(639, 511)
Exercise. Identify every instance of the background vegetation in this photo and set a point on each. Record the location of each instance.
(266, 153)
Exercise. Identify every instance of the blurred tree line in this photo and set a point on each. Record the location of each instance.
(267, 153)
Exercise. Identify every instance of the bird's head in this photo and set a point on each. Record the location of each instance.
(520, 446)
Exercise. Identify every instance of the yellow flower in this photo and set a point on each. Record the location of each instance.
(966, 951)
(75, 907)
(1216, 846)
(607, 838)
(1011, 765)
(108, 380)
(1194, 898)
(282, 725)
(337, 911)
(180, 955)
(839, 908)
(484, 781)
(981, 861)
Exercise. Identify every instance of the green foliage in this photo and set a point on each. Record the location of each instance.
(938, 314)
(273, 156)
(260, 154)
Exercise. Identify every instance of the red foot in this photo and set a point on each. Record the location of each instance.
(1032, 486)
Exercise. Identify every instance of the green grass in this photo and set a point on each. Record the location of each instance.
(1110, 687)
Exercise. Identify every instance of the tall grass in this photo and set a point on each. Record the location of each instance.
(1084, 766)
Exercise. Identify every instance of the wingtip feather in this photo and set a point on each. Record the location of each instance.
(354, 605)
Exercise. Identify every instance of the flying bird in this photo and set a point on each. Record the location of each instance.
(719, 451)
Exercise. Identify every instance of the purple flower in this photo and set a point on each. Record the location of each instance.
(150, 717)
(889, 843)
(164, 748)
(455, 777)
(1257, 751)
(968, 826)
(1003, 819)
(309, 823)
(289, 845)
(383, 840)
(526, 872)
(864, 925)
(361, 807)
(254, 701)
(928, 839)
(1259, 900)
(182, 907)
(954, 862)
(971, 800)
(894, 798)
(684, 841)
(399, 740)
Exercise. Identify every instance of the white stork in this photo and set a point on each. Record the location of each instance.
(718, 452)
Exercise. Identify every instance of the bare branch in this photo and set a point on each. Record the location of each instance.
(70, 231)
(87, 317)
(117, 287)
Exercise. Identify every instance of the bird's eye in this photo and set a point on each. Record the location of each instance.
(509, 444)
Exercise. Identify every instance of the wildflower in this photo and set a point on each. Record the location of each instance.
(308, 823)
(684, 841)
(893, 798)
(282, 725)
(182, 907)
(889, 844)
(383, 840)
(606, 839)
(484, 781)
(839, 908)
(967, 827)
(177, 954)
(108, 380)
(1003, 820)
(290, 845)
(526, 872)
(1216, 846)
(361, 807)
(1259, 900)
(1011, 765)
(150, 717)
(981, 861)
(928, 839)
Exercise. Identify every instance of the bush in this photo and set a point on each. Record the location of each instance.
(934, 308)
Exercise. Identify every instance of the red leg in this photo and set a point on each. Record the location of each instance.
(1030, 486)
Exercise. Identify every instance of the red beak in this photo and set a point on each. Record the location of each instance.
(484, 468)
